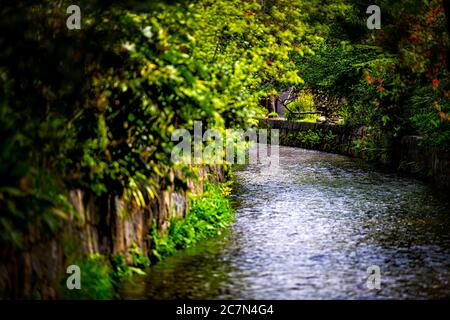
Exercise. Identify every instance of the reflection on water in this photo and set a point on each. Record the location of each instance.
(309, 230)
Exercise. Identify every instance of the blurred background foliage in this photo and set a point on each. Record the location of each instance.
(394, 81)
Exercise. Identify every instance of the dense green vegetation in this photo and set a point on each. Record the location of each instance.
(313, 139)
(209, 213)
(94, 109)
(394, 81)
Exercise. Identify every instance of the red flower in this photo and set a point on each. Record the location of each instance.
(413, 37)
(379, 80)
(269, 62)
(435, 83)
(368, 78)
(380, 88)
(249, 13)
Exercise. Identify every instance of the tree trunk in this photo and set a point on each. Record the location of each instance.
(273, 100)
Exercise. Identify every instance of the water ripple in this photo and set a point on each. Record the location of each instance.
(309, 230)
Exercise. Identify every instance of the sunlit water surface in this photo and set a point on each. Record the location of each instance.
(309, 230)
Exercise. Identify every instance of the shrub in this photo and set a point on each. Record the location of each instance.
(208, 214)
(304, 103)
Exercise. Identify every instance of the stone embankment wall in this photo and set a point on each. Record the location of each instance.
(409, 154)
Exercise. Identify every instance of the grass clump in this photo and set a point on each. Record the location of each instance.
(209, 213)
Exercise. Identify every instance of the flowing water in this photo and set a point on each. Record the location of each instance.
(310, 229)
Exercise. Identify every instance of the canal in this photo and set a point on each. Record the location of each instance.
(310, 229)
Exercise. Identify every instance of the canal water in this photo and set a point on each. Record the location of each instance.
(310, 229)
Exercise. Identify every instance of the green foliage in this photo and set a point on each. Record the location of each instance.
(333, 66)
(304, 103)
(209, 213)
(95, 109)
(138, 258)
(428, 116)
(123, 270)
(310, 138)
(393, 80)
(329, 140)
(128, 82)
(367, 147)
(313, 139)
